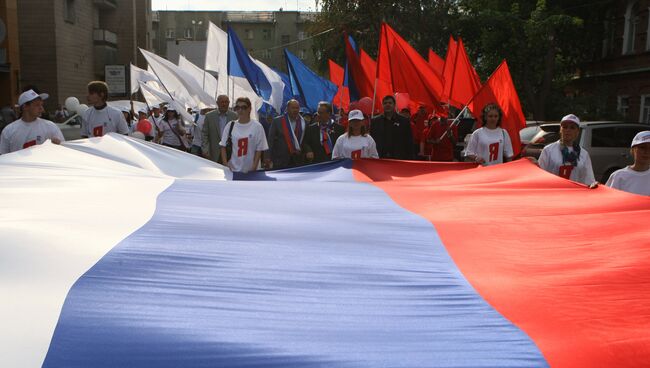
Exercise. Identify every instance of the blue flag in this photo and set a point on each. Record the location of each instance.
(241, 65)
(307, 84)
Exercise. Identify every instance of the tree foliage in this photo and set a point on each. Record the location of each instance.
(543, 41)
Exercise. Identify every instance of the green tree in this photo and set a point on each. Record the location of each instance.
(543, 41)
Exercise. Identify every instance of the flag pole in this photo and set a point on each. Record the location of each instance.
(374, 97)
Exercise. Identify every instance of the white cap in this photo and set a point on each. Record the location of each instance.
(572, 118)
(640, 138)
(125, 109)
(29, 96)
(142, 110)
(355, 115)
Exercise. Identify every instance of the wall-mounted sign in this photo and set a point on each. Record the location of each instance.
(115, 76)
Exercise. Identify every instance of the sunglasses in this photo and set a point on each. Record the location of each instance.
(240, 107)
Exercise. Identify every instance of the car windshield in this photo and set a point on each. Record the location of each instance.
(545, 138)
(527, 134)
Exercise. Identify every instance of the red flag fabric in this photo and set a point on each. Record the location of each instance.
(448, 68)
(363, 82)
(368, 64)
(501, 90)
(436, 62)
(464, 82)
(337, 76)
(407, 70)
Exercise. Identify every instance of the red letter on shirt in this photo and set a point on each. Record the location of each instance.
(494, 151)
(356, 154)
(30, 143)
(565, 171)
(242, 147)
(98, 131)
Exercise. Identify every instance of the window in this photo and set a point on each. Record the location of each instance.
(266, 34)
(170, 33)
(610, 35)
(623, 105)
(249, 34)
(285, 39)
(301, 35)
(69, 14)
(301, 54)
(644, 115)
(188, 33)
(631, 22)
(266, 54)
(613, 137)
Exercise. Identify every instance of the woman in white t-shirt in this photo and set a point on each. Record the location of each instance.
(172, 130)
(490, 144)
(566, 158)
(356, 142)
(635, 178)
(244, 138)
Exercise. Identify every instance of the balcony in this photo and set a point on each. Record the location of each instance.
(155, 17)
(104, 37)
(105, 4)
(249, 17)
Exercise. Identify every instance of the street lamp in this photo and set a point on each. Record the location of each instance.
(194, 25)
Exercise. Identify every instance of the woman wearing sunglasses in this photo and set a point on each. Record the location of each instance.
(243, 140)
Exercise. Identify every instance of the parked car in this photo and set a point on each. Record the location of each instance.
(608, 143)
(71, 129)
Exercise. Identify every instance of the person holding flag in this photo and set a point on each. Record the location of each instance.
(490, 144)
(356, 142)
(566, 158)
(321, 136)
(285, 138)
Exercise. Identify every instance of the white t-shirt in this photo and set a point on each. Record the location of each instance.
(247, 139)
(489, 144)
(96, 123)
(354, 147)
(21, 134)
(169, 137)
(626, 179)
(551, 160)
(196, 133)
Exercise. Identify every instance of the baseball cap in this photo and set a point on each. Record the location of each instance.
(355, 115)
(572, 118)
(640, 138)
(29, 96)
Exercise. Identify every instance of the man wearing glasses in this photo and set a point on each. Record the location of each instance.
(243, 140)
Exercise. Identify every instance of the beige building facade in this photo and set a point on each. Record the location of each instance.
(64, 44)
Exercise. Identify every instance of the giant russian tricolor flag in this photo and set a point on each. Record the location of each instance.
(120, 253)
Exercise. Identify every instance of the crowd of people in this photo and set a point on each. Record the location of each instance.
(234, 138)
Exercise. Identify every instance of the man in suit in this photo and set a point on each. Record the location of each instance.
(392, 132)
(321, 135)
(215, 122)
(285, 139)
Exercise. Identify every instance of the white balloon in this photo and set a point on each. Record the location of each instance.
(82, 108)
(72, 104)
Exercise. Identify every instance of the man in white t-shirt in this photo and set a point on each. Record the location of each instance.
(246, 140)
(30, 129)
(635, 178)
(101, 119)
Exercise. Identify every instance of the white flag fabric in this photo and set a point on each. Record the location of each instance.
(140, 75)
(206, 80)
(277, 85)
(155, 97)
(177, 81)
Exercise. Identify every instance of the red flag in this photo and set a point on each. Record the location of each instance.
(368, 64)
(436, 62)
(448, 68)
(501, 90)
(406, 70)
(464, 82)
(363, 82)
(337, 75)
